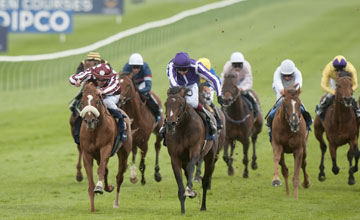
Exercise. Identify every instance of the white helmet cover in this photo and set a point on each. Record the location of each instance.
(287, 67)
(136, 59)
(237, 57)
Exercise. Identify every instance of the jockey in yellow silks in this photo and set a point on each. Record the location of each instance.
(328, 82)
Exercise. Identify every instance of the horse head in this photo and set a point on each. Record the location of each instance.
(204, 94)
(91, 106)
(175, 107)
(344, 92)
(128, 88)
(291, 104)
(230, 90)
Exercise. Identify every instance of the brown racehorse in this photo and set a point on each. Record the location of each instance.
(143, 124)
(97, 135)
(185, 135)
(340, 126)
(240, 124)
(289, 135)
(205, 100)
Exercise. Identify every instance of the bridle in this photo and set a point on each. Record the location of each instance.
(128, 95)
(293, 118)
(170, 125)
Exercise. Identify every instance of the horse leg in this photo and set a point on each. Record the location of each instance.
(209, 169)
(350, 155)
(357, 155)
(157, 174)
(226, 150)
(245, 158)
(142, 165)
(319, 130)
(190, 167)
(306, 183)
(122, 157)
(254, 165)
(335, 169)
(104, 159)
(133, 176)
(277, 150)
(198, 177)
(285, 173)
(88, 164)
(231, 159)
(108, 187)
(79, 176)
(298, 158)
(176, 165)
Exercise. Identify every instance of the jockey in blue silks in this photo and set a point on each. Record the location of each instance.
(284, 76)
(184, 71)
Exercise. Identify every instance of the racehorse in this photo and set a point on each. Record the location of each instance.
(97, 134)
(341, 127)
(240, 123)
(143, 123)
(289, 135)
(185, 135)
(205, 100)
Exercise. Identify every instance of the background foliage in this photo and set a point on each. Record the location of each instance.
(38, 155)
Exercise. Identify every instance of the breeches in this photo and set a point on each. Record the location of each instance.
(111, 101)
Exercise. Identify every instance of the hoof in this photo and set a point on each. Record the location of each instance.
(231, 171)
(98, 189)
(133, 180)
(306, 185)
(321, 177)
(143, 181)
(276, 183)
(190, 193)
(157, 177)
(116, 205)
(351, 181)
(335, 170)
(110, 188)
(79, 178)
(203, 209)
(254, 165)
(197, 179)
(245, 175)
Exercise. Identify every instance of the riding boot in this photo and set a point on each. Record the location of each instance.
(306, 116)
(253, 101)
(205, 115)
(324, 103)
(162, 132)
(120, 125)
(218, 121)
(74, 103)
(77, 126)
(356, 108)
(153, 106)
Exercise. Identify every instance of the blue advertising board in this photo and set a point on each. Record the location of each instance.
(3, 39)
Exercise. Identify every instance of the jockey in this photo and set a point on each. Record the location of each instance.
(142, 76)
(241, 68)
(93, 59)
(328, 82)
(107, 82)
(183, 71)
(285, 75)
(209, 89)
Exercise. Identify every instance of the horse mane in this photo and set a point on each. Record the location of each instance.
(345, 73)
(175, 90)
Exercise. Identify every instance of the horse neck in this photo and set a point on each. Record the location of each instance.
(341, 112)
(134, 107)
(238, 107)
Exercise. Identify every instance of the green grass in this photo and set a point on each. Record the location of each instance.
(38, 156)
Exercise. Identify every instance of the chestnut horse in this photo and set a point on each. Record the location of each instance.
(143, 123)
(289, 135)
(186, 144)
(205, 100)
(97, 135)
(341, 127)
(240, 123)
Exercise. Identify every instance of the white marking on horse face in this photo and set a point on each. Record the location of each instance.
(293, 102)
(171, 113)
(90, 97)
(121, 80)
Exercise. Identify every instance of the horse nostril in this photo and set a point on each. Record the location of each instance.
(173, 123)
